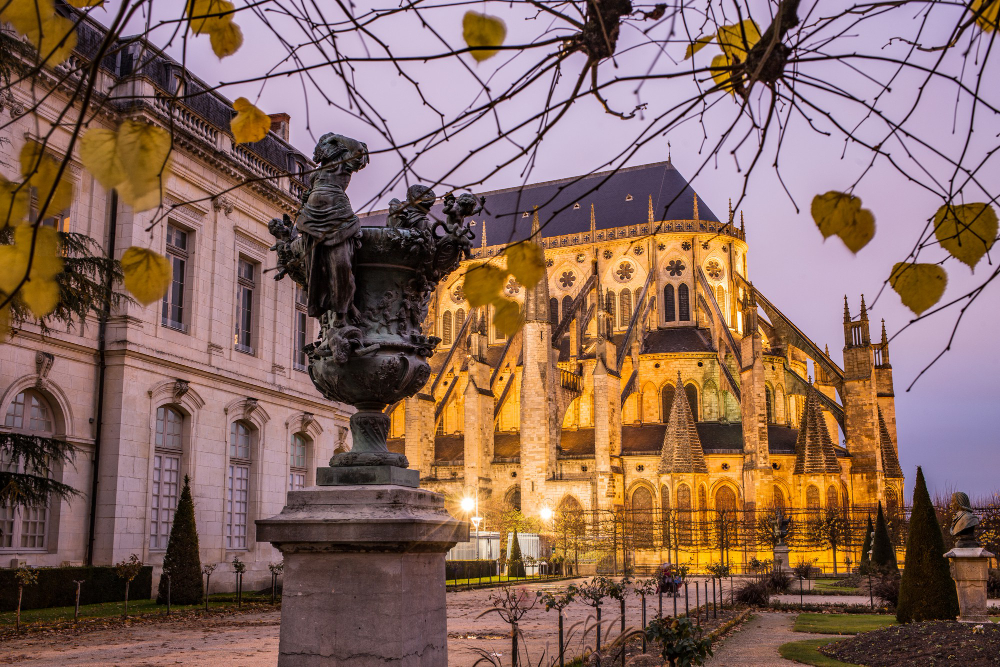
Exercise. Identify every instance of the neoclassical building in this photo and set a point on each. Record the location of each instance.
(649, 373)
(210, 383)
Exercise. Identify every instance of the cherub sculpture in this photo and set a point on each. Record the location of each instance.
(289, 256)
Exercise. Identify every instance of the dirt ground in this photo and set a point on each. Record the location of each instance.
(251, 640)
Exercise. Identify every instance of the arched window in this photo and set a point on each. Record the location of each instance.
(26, 528)
(683, 303)
(665, 515)
(609, 306)
(831, 498)
(891, 503)
(642, 517)
(692, 396)
(812, 498)
(459, 321)
(626, 308)
(726, 519)
(725, 499)
(513, 498)
(684, 513)
(703, 512)
(241, 436)
(720, 297)
(779, 498)
(769, 401)
(669, 308)
(500, 335)
(168, 448)
(666, 402)
(554, 311)
(567, 305)
(446, 328)
(297, 461)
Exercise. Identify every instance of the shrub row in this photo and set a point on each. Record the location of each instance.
(468, 569)
(55, 587)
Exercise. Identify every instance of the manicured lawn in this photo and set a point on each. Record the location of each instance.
(841, 624)
(806, 653)
(831, 586)
(115, 609)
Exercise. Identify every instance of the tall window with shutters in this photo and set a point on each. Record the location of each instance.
(246, 273)
(167, 449)
(238, 485)
(173, 308)
(25, 528)
(301, 361)
(297, 462)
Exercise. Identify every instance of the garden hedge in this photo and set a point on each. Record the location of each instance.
(469, 569)
(55, 587)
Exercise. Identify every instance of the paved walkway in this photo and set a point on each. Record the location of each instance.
(757, 642)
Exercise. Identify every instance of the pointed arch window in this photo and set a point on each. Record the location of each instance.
(667, 400)
(609, 306)
(831, 498)
(241, 435)
(692, 396)
(683, 303)
(812, 498)
(665, 515)
(626, 307)
(446, 328)
(567, 306)
(769, 401)
(642, 518)
(554, 312)
(459, 321)
(167, 451)
(26, 528)
(500, 335)
(669, 308)
(684, 513)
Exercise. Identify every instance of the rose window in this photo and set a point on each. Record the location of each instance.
(714, 270)
(567, 279)
(512, 287)
(624, 272)
(675, 267)
(458, 294)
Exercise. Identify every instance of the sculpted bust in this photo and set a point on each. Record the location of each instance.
(963, 526)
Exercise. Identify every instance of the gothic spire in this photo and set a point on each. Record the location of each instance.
(681, 451)
(593, 223)
(847, 311)
(730, 210)
(536, 299)
(890, 461)
(651, 212)
(864, 309)
(814, 452)
(484, 232)
(696, 207)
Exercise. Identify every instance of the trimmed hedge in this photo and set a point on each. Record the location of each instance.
(55, 587)
(467, 569)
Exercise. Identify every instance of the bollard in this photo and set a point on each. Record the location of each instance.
(644, 623)
(598, 627)
(562, 659)
(800, 593)
(715, 609)
(76, 611)
(623, 631)
(697, 603)
(687, 605)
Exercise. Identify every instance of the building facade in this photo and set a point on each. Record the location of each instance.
(648, 374)
(212, 382)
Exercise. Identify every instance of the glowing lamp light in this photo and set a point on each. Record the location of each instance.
(546, 514)
(468, 504)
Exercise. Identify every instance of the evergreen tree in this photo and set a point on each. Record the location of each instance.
(883, 553)
(927, 591)
(515, 566)
(182, 561)
(866, 559)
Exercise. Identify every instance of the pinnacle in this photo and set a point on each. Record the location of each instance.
(682, 450)
(890, 461)
(814, 452)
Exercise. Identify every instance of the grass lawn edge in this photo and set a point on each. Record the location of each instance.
(807, 652)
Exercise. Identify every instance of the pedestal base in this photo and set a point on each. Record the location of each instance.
(358, 475)
(969, 569)
(781, 558)
(364, 577)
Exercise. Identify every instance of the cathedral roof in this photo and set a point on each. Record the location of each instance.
(619, 197)
(682, 450)
(814, 450)
(890, 461)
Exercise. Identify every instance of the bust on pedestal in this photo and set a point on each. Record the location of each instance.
(364, 577)
(969, 563)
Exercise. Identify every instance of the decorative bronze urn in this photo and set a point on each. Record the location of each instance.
(370, 288)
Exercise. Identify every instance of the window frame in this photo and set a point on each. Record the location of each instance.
(16, 518)
(239, 470)
(177, 254)
(302, 330)
(298, 470)
(245, 339)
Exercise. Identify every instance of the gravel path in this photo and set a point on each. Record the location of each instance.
(757, 642)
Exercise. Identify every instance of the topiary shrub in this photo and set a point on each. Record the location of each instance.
(753, 593)
(182, 561)
(993, 584)
(926, 591)
(515, 566)
(883, 553)
(866, 559)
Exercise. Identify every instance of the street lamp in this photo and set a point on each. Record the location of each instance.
(468, 504)
(546, 514)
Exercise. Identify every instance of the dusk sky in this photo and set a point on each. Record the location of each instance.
(945, 422)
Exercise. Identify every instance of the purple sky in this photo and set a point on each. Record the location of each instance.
(944, 422)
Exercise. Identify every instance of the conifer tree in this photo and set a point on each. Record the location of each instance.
(515, 566)
(927, 591)
(182, 561)
(883, 553)
(866, 559)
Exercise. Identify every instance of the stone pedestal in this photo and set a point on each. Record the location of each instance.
(969, 568)
(781, 558)
(364, 577)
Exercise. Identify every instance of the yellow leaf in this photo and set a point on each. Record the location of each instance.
(147, 274)
(15, 200)
(722, 73)
(697, 45)
(27, 15)
(966, 231)
(859, 231)
(731, 39)
(12, 268)
(4, 323)
(841, 214)
(227, 39)
(920, 286)
(144, 151)
(99, 154)
(988, 19)
(40, 295)
(54, 39)
(47, 262)
(506, 316)
(145, 201)
(482, 284)
(250, 124)
(482, 30)
(207, 16)
(526, 262)
(41, 170)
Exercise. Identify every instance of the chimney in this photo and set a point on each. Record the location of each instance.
(280, 123)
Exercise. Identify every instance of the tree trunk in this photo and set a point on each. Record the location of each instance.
(20, 592)
(126, 597)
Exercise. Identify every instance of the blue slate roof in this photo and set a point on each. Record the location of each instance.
(564, 205)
